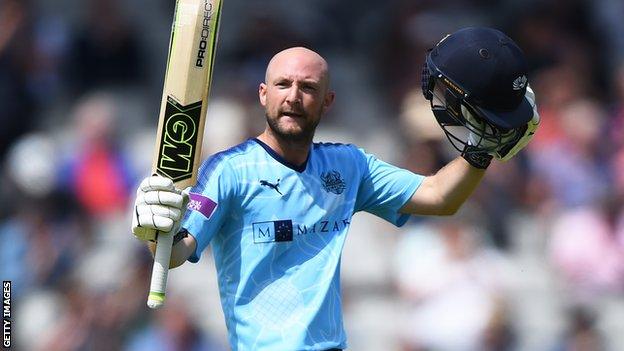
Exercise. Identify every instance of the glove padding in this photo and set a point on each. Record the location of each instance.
(159, 208)
(507, 152)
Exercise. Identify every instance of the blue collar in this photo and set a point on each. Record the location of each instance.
(301, 168)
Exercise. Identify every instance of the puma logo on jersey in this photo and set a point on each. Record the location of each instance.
(271, 185)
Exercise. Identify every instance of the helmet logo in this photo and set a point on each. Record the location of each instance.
(441, 40)
(519, 83)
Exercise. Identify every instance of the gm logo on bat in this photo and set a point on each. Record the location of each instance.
(179, 137)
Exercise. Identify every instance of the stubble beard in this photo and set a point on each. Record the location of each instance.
(303, 137)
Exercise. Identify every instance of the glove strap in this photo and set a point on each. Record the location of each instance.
(477, 159)
(179, 236)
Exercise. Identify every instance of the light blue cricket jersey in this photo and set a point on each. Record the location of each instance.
(277, 233)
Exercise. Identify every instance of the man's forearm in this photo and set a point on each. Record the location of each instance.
(457, 181)
(444, 192)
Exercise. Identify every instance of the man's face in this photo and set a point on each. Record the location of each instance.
(295, 95)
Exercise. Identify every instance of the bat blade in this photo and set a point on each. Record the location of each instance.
(182, 114)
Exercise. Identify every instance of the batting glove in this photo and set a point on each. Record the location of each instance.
(508, 151)
(528, 133)
(159, 208)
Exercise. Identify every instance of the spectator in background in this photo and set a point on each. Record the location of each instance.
(173, 330)
(261, 36)
(106, 50)
(95, 171)
(18, 102)
(573, 165)
(584, 248)
(429, 150)
(581, 333)
(92, 318)
(38, 247)
(41, 233)
(558, 87)
(455, 288)
(616, 132)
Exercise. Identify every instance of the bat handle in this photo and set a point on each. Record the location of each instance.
(160, 270)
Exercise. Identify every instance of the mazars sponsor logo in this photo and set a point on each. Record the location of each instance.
(287, 230)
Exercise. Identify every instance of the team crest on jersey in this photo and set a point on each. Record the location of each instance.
(332, 182)
(520, 82)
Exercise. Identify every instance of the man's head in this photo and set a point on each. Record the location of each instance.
(295, 93)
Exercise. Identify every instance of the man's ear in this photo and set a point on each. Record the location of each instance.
(328, 101)
(262, 90)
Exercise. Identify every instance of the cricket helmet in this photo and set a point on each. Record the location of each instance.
(476, 81)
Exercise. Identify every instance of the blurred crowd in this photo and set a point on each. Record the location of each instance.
(534, 261)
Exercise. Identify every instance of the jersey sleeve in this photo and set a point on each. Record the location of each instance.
(384, 188)
(209, 203)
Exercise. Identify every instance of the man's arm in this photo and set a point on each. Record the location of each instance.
(180, 252)
(444, 192)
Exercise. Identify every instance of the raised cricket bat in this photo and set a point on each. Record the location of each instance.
(182, 112)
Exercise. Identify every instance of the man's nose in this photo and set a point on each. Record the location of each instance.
(294, 95)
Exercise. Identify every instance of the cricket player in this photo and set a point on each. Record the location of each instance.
(276, 209)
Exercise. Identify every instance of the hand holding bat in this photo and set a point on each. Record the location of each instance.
(159, 208)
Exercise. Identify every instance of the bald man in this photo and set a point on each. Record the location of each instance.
(276, 210)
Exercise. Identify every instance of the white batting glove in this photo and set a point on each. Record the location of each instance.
(506, 153)
(528, 134)
(159, 208)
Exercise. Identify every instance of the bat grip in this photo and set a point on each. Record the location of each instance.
(160, 270)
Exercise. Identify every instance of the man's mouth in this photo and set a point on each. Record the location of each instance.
(292, 114)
